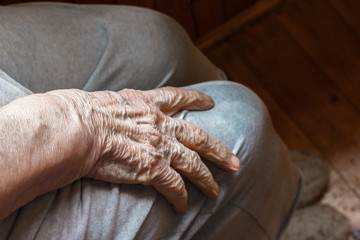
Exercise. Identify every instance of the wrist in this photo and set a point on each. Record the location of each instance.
(80, 140)
(44, 146)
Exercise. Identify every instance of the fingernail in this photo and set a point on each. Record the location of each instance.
(216, 190)
(209, 101)
(214, 193)
(182, 208)
(235, 162)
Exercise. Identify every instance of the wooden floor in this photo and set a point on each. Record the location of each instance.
(303, 60)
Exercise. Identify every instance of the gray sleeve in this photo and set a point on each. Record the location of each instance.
(10, 89)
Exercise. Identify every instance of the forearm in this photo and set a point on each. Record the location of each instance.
(38, 149)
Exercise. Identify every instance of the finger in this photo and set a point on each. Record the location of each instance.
(189, 164)
(170, 184)
(171, 100)
(209, 147)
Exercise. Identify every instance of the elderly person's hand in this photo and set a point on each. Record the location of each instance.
(134, 140)
(50, 140)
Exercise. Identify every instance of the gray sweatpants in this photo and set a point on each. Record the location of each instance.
(50, 46)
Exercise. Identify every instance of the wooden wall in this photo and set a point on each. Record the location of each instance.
(197, 16)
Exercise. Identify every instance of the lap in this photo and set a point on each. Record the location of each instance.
(254, 202)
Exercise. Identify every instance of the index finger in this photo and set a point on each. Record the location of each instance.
(171, 100)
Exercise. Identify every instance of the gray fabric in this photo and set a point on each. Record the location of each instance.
(254, 203)
(10, 89)
(48, 46)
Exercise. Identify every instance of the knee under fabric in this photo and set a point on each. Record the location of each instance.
(254, 203)
(268, 184)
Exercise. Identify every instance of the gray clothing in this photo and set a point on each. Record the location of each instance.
(254, 203)
(10, 89)
(51, 46)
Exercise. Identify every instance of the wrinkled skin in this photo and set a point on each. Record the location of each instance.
(135, 140)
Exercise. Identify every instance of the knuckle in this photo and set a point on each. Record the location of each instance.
(153, 116)
(130, 92)
(195, 156)
(131, 96)
(144, 180)
(220, 150)
(188, 162)
(160, 174)
(171, 180)
(170, 89)
(176, 153)
(149, 169)
(153, 138)
(178, 127)
(201, 138)
(110, 148)
(168, 93)
(158, 118)
(148, 115)
(177, 184)
(182, 128)
(196, 165)
(216, 147)
(171, 126)
(113, 96)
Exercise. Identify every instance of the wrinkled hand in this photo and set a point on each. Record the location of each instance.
(136, 141)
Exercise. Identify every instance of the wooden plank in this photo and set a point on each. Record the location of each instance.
(226, 58)
(139, 3)
(338, 195)
(181, 11)
(349, 10)
(94, 2)
(333, 45)
(232, 26)
(207, 14)
(288, 73)
(8, 2)
(233, 7)
(306, 94)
